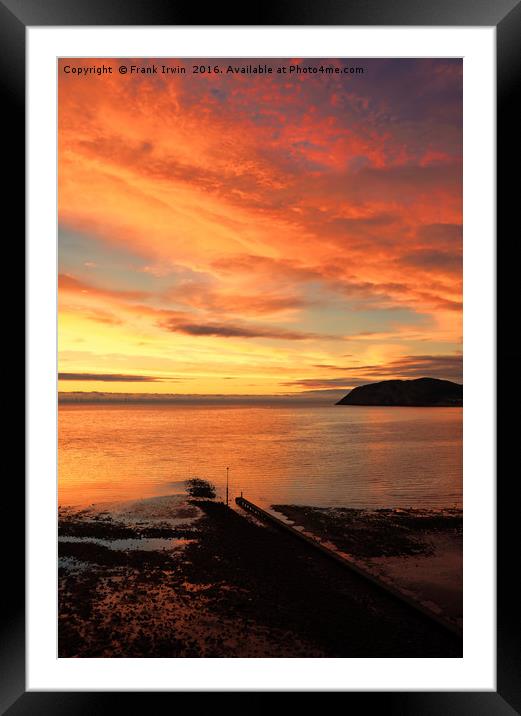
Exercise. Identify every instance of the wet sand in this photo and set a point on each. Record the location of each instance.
(219, 585)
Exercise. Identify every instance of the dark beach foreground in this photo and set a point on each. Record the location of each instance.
(176, 577)
(417, 552)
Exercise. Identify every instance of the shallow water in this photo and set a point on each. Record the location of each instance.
(146, 544)
(333, 455)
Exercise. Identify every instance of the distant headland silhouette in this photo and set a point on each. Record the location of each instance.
(421, 392)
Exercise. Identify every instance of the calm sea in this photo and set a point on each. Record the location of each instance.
(329, 456)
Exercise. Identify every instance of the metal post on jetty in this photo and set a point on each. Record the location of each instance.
(227, 471)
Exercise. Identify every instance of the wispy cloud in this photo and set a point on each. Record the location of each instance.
(448, 367)
(318, 383)
(225, 330)
(110, 377)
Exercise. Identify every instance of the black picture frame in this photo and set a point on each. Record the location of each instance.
(505, 16)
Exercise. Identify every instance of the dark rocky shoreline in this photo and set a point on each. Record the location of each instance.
(376, 533)
(227, 588)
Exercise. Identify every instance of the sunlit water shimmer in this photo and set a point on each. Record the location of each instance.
(326, 456)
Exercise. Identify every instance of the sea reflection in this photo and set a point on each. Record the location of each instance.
(338, 455)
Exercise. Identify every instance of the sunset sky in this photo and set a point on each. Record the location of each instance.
(259, 234)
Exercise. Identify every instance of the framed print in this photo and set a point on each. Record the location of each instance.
(260, 268)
